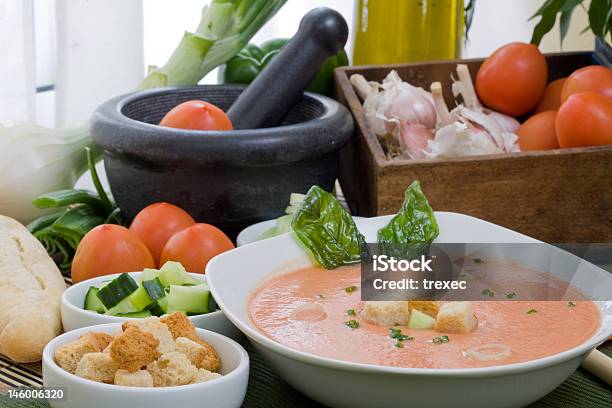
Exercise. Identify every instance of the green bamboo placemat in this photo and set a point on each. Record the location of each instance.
(267, 390)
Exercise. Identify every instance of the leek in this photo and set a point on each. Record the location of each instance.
(225, 28)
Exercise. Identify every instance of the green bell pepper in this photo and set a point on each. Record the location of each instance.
(251, 60)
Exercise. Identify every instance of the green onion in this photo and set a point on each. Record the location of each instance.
(440, 340)
(351, 312)
(353, 324)
(488, 292)
(350, 289)
(396, 334)
(532, 311)
(510, 295)
(225, 28)
(571, 304)
(399, 344)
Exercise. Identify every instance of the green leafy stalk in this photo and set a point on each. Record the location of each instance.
(413, 229)
(226, 26)
(599, 13)
(64, 198)
(91, 163)
(327, 230)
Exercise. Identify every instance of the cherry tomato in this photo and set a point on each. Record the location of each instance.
(109, 249)
(156, 223)
(512, 79)
(594, 78)
(551, 100)
(195, 246)
(538, 132)
(585, 119)
(197, 115)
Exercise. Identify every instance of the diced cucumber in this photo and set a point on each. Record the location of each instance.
(154, 288)
(173, 273)
(420, 320)
(137, 301)
(148, 274)
(189, 299)
(156, 309)
(117, 290)
(163, 304)
(141, 314)
(92, 302)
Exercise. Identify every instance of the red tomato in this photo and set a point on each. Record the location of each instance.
(195, 246)
(551, 100)
(156, 223)
(538, 132)
(109, 249)
(594, 78)
(585, 119)
(512, 79)
(197, 115)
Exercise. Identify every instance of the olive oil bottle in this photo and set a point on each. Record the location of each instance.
(395, 31)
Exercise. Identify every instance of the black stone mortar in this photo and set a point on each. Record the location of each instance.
(230, 179)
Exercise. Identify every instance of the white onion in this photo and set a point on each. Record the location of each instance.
(310, 312)
(478, 352)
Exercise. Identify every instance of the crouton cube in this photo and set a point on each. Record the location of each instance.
(201, 354)
(140, 378)
(98, 367)
(68, 355)
(386, 313)
(204, 375)
(158, 329)
(180, 326)
(456, 317)
(134, 349)
(429, 307)
(171, 369)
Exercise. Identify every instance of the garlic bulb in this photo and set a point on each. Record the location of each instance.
(414, 139)
(459, 140)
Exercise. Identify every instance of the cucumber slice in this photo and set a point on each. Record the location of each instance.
(117, 290)
(189, 299)
(148, 274)
(154, 288)
(163, 304)
(173, 273)
(156, 309)
(136, 302)
(141, 314)
(92, 302)
(420, 320)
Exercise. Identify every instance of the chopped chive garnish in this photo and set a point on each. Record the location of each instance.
(351, 312)
(571, 304)
(350, 289)
(510, 295)
(320, 296)
(353, 324)
(396, 334)
(488, 292)
(477, 260)
(399, 344)
(532, 311)
(440, 340)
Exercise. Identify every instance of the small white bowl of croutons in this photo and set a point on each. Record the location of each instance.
(153, 362)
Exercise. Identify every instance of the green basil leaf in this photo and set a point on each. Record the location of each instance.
(327, 230)
(413, 228)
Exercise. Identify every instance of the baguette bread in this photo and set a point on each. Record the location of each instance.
(31, 286)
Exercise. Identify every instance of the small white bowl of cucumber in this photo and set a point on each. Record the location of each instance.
(136, 295)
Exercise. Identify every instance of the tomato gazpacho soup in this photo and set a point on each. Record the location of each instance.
(319, 311)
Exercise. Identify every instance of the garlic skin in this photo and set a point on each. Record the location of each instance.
(459, 140)
(414, 139)
(396, 99)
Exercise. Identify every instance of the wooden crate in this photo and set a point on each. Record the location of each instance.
(562, 195)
